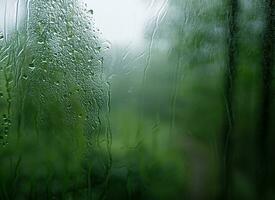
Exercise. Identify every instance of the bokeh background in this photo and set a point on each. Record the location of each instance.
(186, 94)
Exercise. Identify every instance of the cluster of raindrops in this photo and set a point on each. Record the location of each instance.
(5, 80)
(56, 60)
(4, 129)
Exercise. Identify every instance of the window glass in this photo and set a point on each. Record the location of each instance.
(137, 99)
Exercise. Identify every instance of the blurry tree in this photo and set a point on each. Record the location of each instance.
(53, 103)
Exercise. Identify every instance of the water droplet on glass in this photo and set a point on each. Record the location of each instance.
(25, 77)
(91, 12)
(31, 66)
(57, 83)
(1, 36)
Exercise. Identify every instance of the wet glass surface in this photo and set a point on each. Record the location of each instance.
(137, 99)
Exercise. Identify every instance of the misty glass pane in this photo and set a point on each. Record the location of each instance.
(137, 99)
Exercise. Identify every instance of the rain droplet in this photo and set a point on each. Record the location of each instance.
(91, 11)
(57, 83)
(31, 66)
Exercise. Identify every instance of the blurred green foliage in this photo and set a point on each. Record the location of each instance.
(159, 134)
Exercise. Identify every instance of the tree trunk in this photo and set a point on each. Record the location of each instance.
(266, 95)
(230, 76)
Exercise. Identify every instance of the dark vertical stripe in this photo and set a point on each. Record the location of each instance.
(230, 76)
(266, 95)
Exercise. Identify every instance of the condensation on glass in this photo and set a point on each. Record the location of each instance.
(136, 99)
